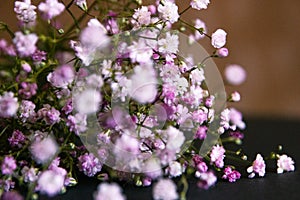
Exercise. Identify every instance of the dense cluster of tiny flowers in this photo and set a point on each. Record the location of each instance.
(111, 95)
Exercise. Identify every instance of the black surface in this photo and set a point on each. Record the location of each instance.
(262, 136)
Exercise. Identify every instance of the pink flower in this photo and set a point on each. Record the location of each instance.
(43, 149)
(25, 11)
(217, 156)
(51, 8)
(8, 165)
(77, 123)
(49, 114)
(201, 132)
(17, 139)
(109, 191)
(258, 166)
(168, 11)
(89, 164)
(87, 101)
(218, 38)
(27, 112)
(231, 175)
(222, 52)
(8, 105)
(27, 90)
(236, 118)
(285, 163)
(50, 182)
(199, 24)
(235, 74)
(199, 4)
(140, 52)
(207, 179)
(141, 16)
(62, 76)
(165, 189)
(25, 44)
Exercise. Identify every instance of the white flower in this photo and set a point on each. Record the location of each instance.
(175, 139)
(108, 191)
(199, 4)
(143, 88)
(141, 16)
(87, 101)
(175, 169)
(140, 52)
(168, 11)
(169, 44)
(50, 182)
(218, 38)
(165, 189)
(285, 163)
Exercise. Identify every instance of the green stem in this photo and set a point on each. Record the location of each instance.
(185, 10)
(185, 187)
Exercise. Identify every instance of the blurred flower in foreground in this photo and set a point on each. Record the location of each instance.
(235, 74)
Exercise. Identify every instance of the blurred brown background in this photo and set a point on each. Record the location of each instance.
(263, 37)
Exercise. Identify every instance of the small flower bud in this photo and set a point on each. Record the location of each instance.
(222, 52)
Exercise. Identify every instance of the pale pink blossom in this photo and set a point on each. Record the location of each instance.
(174, 169)
(43, 149)
(169, 44)
(168, 11)
(199, 24)
(140, 52)
(8, 165)
(25, 43)
(51, 8)
(235, 74)
(175, 139)
(218, 38)
(222, 52)
(77, 123)
(258, 166)
(285, 163)
(207, 179)
(165, 189)
(144, 84)
(235, 96)
(87, 101)
(50, 183)
(236, 118)
(8, 105)
(141, 16)
(197, 76)
(25, 11)
(217, 156)
(62, 76)
(199, 4)
(109, 191)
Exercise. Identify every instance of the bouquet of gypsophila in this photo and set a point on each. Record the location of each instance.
(121, 93)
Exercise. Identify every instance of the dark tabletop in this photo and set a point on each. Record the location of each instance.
(261, 136)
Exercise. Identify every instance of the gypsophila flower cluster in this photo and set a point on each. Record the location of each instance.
(111, 94)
